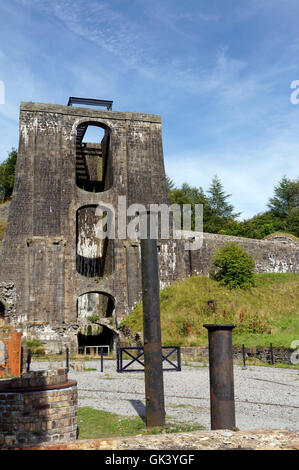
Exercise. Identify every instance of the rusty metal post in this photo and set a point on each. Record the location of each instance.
(154, 387)
(244, 355)
(222, 403)
(28, 360)
(102, 360)
(67, 364)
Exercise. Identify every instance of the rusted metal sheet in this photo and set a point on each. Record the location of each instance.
(10, 354)
(222, 401)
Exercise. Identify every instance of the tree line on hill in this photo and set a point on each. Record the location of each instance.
(7, 175)
(219, 215)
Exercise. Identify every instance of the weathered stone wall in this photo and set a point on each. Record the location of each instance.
(39, 247)
(41, 406)
(8, 300)
(51, 255)
(280, 355)
(270, 255)
(4, 210)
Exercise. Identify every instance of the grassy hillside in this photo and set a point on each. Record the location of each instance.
(266, 313)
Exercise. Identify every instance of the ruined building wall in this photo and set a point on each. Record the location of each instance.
(54, 270)
(270, 255)
(43, 259)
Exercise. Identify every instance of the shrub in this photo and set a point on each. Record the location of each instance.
(233, 267)
(36, 347)
(2, 231)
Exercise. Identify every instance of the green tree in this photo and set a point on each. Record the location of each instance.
(258, 226)
(170, 184)
(233, 267)
(218, 200)
(292, 222)
(7, 175)
(177, 196)
(216, 210)
(197, 196)
(286, 197)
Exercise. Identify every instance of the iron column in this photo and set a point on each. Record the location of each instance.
(221, 376)
(154, 388)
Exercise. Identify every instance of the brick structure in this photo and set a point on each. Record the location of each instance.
(55, 272)
(40, 406)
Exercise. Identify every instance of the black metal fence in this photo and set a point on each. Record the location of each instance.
(30, 354)
(271, 359)
(167, 352)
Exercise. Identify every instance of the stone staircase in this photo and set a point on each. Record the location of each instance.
(89, 167)
(82, 174)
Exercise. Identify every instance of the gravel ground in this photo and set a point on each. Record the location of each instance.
(265, 397)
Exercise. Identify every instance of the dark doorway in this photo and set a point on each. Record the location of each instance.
(94, 311)
(106, 338)
(2, 314)
(2, 310)
(93, 169)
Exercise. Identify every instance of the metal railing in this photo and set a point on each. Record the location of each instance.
(96, 348)
(271, 359)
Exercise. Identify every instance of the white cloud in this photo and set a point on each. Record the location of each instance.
(137, 48)
(99, 23)
(238, 103)
(249, 175)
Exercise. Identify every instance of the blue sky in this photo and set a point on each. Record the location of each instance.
(218, 72)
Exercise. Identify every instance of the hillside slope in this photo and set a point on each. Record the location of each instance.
(266, 313)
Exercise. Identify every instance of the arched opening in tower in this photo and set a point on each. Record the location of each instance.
(95, 315)
(94, 250)
(93, 165)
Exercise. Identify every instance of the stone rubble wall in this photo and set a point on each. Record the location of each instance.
(280, 355)
(270, 255)
(280, 439)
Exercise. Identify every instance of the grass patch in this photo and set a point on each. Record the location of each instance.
(282, 234)
(186, 406)
(107, 377)
(36, 347)
(257, 362)
(72, 357)
(96, 424)
(198, 366)
(265, 313)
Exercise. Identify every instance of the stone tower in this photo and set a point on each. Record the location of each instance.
(55, 272)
